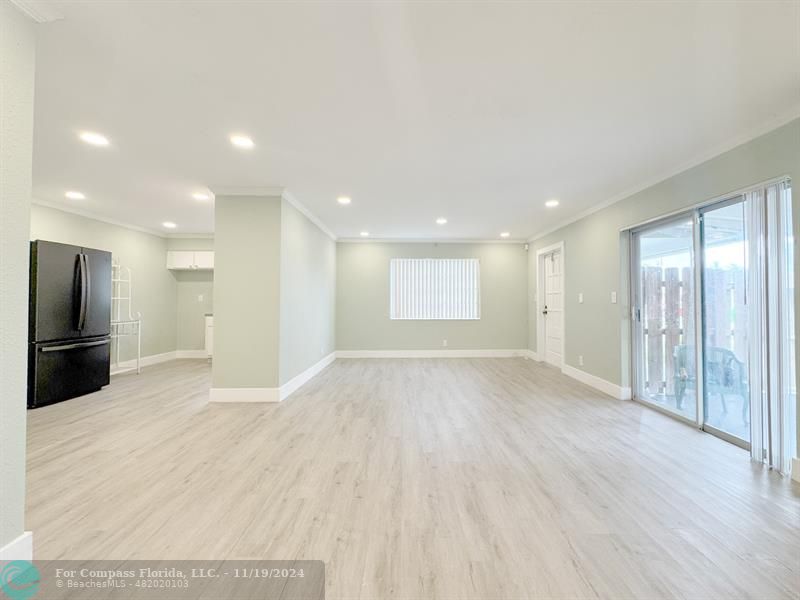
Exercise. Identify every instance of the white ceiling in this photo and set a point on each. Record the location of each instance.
(478, 112)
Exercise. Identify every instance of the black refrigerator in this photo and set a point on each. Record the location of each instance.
(69, 349)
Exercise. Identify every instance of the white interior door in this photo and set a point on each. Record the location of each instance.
(553, 309)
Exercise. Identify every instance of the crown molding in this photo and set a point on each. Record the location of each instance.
(189, 236)
(308, 214)
(38, 11)
(371, 240)
(95, 217)
(271, 191)
(756, 132)
(275, 192)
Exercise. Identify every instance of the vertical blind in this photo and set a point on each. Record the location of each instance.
(773, 392)
(435, 288)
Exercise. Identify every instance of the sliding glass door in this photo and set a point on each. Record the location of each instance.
(713, 314)
(665, 344)
(724, 240)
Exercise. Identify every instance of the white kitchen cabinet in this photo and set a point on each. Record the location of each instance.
(209, 335)
(180, 259)
(204, 259)
(184, 260)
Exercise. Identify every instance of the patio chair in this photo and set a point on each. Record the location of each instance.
(724, 373)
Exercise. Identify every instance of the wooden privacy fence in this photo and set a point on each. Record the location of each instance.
(669, 320)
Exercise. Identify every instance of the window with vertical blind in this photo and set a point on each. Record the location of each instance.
(434, 289)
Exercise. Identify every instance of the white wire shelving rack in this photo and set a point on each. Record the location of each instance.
(124, 322)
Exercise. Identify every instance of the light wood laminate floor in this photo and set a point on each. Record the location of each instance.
(419, 478)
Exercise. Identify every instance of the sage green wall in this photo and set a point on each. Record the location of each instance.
(195, 297)
(154, 287)
(17, 60)
(190, 243)
(594, 248)
(308, 293)
(247, 274)
(191, 287)
(362, 299)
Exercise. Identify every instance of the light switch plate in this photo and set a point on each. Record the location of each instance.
(580, 298)
(613, 297)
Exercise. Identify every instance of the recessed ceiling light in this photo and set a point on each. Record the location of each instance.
(242, 141)
(95, 139)
(200, 196)
(75, 196)
(169, 224)
(365, 234)
(441, 221)
(505, 234)
(344, 200)
(551, 203)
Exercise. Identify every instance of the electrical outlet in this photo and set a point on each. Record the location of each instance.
(613, 297)
(200, 297)
(580, 360)
(580, 298)
(444, 343)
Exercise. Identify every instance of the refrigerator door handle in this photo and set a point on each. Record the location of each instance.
(87, 305)
(84, 287)
(73, 346)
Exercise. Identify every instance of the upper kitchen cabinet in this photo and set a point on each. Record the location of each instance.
(204, 259)
(179, 260)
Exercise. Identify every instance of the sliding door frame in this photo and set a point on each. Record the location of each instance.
(698, 205)
(637, 323)
(699, 317)
(695, 211)
(700, 305)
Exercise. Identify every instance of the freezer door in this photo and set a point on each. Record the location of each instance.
(62, 370)
(54, 291)
(97, 299)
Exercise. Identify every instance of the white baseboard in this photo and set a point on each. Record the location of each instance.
(270, 394)
(295, 382)
(128, 365)
(20, 548)
(291, 386)
(244, 395)
(147, 361)
(530, 355)
(191, 354)
(430, 353)
(612, 389)
(796, 470)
